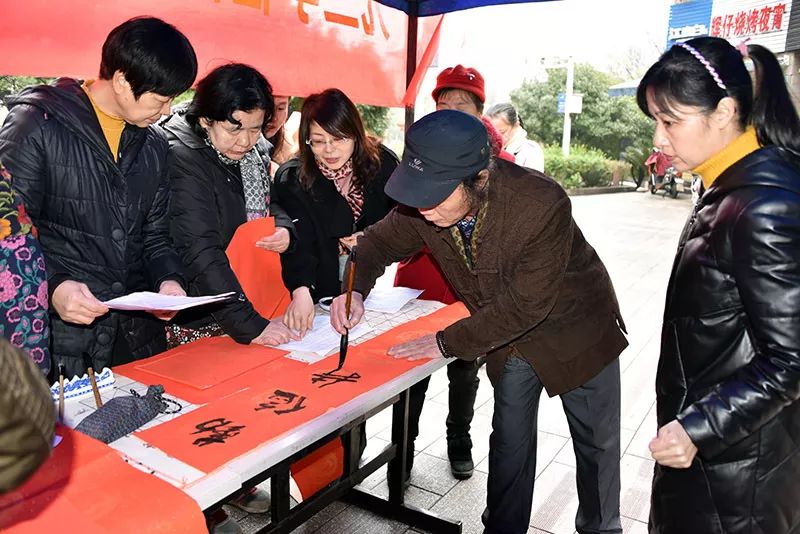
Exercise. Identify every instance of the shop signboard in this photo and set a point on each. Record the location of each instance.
(688, 19)
(761, 22)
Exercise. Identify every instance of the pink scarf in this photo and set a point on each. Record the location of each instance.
(342, 179)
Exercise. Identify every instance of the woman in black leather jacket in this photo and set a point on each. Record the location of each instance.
(728, 382)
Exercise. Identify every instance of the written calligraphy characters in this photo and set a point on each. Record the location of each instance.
(287, 402)
(217, 431)
(329, 379)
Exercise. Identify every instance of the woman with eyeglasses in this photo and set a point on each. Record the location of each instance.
(332, 190)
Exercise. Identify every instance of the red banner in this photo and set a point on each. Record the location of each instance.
(301, 47)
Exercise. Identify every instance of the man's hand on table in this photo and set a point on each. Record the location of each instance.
(339, 320)
(417, 349)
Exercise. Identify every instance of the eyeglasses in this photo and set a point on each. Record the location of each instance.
(334, 142)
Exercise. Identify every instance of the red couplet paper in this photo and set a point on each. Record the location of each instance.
(286, 394)
(207, 362)
(223, 388)
(258, 270)
(315, 471)
(86, 487)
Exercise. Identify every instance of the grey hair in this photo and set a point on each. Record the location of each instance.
(506, 111)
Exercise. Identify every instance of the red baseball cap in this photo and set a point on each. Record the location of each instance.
(460, 77)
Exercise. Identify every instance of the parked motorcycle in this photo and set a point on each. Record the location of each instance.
(664, 177)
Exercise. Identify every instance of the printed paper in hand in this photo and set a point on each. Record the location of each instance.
(320, 340)
(390, 299)
(147, 301)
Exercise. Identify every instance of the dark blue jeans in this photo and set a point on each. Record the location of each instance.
(593, 414)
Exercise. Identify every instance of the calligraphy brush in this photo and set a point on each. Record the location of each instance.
(344, 342)
(97, 400)
(87, 359)
(60, 391)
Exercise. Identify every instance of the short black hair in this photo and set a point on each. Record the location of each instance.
(228, 89)
(152, 54)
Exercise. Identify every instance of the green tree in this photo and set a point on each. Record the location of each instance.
(636, 155)
(376, 119)
(606, 123)
(184, 97)
(10, 85)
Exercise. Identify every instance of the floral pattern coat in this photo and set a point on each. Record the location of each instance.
(23, 281)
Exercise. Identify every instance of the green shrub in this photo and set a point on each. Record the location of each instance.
(573, 182)
(585, 167)
(636, 155)
(622, 169)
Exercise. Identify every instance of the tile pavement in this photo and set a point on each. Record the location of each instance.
(635, 234)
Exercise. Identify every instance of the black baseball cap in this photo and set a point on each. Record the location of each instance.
(442, 149)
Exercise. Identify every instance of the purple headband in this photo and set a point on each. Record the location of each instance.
(711, 70)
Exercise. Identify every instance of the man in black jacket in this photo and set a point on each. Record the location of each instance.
(91, 173)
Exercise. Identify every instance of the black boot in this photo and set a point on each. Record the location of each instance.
(459, 452)
(463, 376)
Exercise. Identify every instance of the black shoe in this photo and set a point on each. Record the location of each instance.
(459, 452)
(462, 469)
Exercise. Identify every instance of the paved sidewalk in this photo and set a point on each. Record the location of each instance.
(636, 235)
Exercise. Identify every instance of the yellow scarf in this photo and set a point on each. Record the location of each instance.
(743, 145)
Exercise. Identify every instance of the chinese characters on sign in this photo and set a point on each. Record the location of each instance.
(282, 402)
(329, 379)
(749, 22)
(366, 22)
(216, 430)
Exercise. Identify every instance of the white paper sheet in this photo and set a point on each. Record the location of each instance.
(390, 299)
(147, 301)
(321, 340)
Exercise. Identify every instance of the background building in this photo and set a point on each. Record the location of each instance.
(688, 19)
(770, 23)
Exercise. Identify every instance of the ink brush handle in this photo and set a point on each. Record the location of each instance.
(351, 276)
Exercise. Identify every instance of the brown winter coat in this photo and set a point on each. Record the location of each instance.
(27, 417)
(536, 288)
